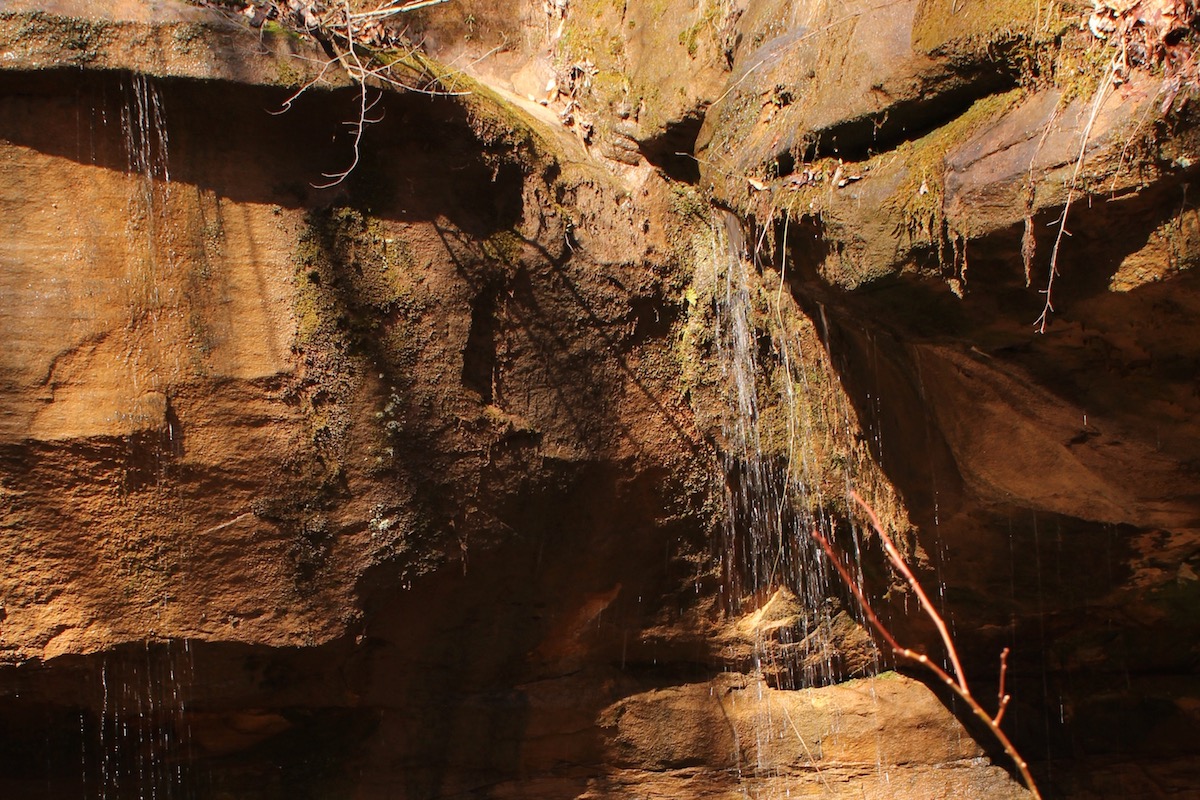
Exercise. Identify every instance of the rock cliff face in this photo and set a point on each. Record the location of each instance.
(425, 483)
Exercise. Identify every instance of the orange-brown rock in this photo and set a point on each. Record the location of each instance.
(423, 484)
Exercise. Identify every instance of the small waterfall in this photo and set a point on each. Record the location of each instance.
(776, 420)
(150, 293)
(142, 731)
(773, 499)
(144, 131)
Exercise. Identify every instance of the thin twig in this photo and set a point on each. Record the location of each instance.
(346, 33)
(1002, 698)
(1101, 93)
(959, 686)
(396, 6)
(392, 10)
(1028, 240)
(286, 106)
(356, 72)
(902, 566)
(358, 127)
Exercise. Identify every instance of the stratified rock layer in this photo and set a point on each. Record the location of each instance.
(407, 486)
(1049, 469)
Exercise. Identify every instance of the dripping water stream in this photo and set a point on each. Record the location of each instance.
(774, 499)
(145, 139)
(142, 730)
(138, 741)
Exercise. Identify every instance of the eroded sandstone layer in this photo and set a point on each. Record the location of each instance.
(416, 485)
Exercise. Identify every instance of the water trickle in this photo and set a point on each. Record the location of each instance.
(144, 131)
(142, 734)
(774, 501)
(149, 285)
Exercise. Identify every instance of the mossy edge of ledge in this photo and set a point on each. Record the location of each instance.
(181, 43)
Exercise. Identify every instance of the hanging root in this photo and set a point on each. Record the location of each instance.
(349, 37)
(1150, 34)
(956, 682)
(1106, 84)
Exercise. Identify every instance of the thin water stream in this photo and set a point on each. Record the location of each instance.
(138, 744)
(775, 499)
(774, 496)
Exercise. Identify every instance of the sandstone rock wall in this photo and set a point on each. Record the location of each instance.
(412, 486)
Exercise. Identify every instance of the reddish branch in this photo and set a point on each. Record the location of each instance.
(1002, 698)
(956, 682)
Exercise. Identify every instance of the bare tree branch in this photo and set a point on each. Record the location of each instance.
(349, 37)
(1106, 83)
(957, 682)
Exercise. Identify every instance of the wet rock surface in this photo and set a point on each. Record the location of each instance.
(1035, 469)
(416, 485)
